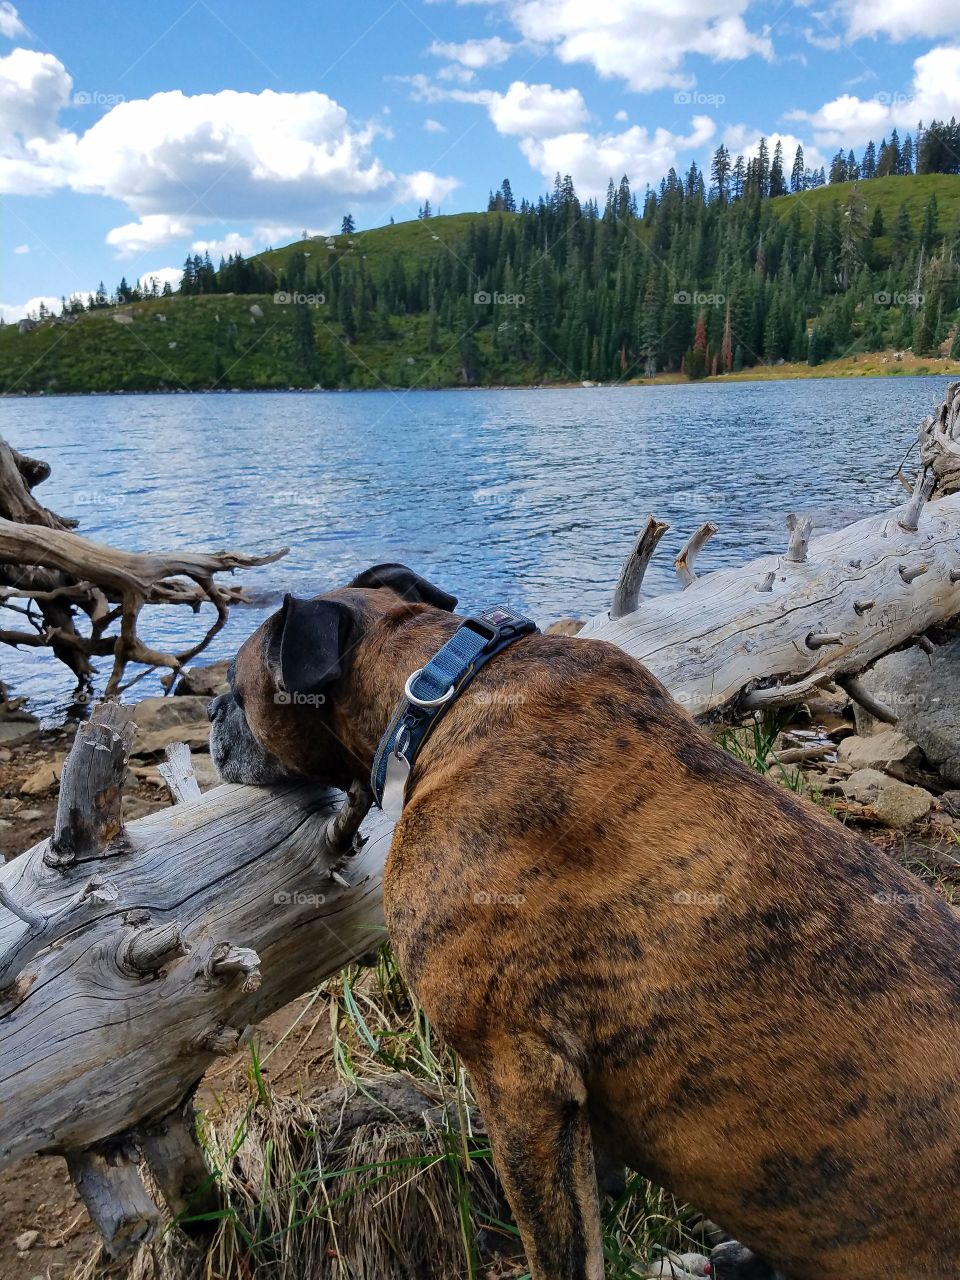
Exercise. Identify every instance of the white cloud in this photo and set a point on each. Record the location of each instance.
(621, 117)
(232, 242)
(162, 275)
(11, 311)
(850, 121)
(456, 74)
(427, 186)
(475, 54)
(741, 140)
(22, 248)
(34, 88)
(10, 24)
(644, 42)
(900, 19)
(150, 232)
(537, 110)
(178, 160)
(593, 159)
(434, 126)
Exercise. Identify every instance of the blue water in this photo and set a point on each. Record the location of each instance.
(531, 497)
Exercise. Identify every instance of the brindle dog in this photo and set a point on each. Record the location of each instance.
(636, 944)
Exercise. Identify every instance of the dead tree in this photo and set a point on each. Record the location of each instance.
(51, 577)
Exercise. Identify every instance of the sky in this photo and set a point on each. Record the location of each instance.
(133, 133)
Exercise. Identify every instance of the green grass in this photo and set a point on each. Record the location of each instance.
(412, 242)
(887, 194)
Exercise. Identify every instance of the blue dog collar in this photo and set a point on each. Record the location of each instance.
(431, 690)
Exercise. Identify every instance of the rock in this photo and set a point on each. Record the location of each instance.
(26, 1240)
(950, 800)
(897, 804)
(896, 680)
(900, 805)
(162, 713)
(564, 627)
(196, 734)
(203, 682)
(29, 815)
(17, 729)
(256, 311)
(887, 749)
(932, 716)
(205, 772)
(43, 779)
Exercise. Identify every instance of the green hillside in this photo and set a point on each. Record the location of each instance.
(559, 291)
(886, 194)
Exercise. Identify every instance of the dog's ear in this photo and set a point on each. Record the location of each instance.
(406, 583)
(307, 645)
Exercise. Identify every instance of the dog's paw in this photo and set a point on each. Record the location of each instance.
(734, 1261)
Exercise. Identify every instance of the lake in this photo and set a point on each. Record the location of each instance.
(531, 497)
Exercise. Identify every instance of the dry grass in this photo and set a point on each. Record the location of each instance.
(400, 1196)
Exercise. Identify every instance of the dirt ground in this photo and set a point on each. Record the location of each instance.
(36, 1195)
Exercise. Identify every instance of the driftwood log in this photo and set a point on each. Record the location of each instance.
(50, 577)
(130, 957)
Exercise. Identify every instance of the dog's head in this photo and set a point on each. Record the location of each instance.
(281, 719)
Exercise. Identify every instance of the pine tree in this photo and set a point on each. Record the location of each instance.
(868, 168)
(778, 186)
(347, 226)
(696, 360)
(304, 343)
(506, 195)
(720, 174)
(798, 172)
(726, 346)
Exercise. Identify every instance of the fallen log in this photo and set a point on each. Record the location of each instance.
(131, 956)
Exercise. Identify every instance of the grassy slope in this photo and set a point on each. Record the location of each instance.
(411, 241)
(886, 193)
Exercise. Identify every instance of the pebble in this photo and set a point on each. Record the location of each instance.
(26, 1240)
(30, 815)
(678, 1266)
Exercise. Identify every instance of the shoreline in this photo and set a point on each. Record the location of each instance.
(875, 364)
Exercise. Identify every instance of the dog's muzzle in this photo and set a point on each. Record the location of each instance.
(236, 754)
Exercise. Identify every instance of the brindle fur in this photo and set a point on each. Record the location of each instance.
(638, 944)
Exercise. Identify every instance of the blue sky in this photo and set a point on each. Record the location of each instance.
(132, 134)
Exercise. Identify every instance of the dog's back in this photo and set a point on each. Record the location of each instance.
(763, 1010)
